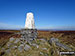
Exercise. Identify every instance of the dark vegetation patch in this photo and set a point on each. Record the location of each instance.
(5, 35)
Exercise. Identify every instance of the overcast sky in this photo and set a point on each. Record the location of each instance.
(48, 14)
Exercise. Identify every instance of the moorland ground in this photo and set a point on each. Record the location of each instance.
(67, 37)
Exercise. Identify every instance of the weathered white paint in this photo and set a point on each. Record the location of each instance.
(29, 24)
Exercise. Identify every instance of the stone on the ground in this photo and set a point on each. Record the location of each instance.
(24, 43)
(21, 42)
(27, 47)
(44, 40)
(41, 53)
(29, 42)
(11, 39)
(14, 47)
(44, 48)
(21, 47)
(21, 39)
(35, 45)
(46, 54)
(56, 41)
(16, 41)
(63, 46)
(9, 44)
(3, 48)
(53, 40)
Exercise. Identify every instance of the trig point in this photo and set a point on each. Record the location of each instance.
(29, 24)
(29, 32)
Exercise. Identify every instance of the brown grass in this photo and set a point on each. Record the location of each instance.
(66, 36)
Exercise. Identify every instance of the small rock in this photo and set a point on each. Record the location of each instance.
(20, 48)
(27, 47)
(22, 45)
(35, 45)
(3, 48)
(58, 43)
(53, 40)
(44, 40)
(22, 42)
(29, 42)
(16, 41)
(14, 47)
(11, 39)
(21, 39)
(63, 46)
(9, 44)
(44, 48)
(41, 53)
(46, 55)
(31, 39)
